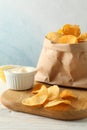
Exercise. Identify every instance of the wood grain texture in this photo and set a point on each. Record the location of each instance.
(12, 99)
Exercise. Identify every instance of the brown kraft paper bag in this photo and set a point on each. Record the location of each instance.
(63, 64)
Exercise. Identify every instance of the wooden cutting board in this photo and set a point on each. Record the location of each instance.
(12, 100)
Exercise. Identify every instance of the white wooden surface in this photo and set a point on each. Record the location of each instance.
(11, 120)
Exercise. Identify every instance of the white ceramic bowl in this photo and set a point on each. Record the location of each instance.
(20, 77)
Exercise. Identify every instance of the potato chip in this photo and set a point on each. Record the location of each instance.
(53, 36)
(60, 31)
(2, 68)
(70, 34)
(36, 88)
(69, 29)
(61, 107)
(82, 37)
(67, 94)
(68, 39)
(37, 99)
(2, 76)
(57, 103)
(53, 92)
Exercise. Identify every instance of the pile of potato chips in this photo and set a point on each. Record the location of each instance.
(67, 34)
(50, 98)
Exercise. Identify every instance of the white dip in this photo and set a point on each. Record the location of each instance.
(21, 69)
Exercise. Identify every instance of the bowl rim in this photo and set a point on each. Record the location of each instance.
(34, 70)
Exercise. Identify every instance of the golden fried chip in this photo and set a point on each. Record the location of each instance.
(37, 99)
(53, 92)
(2, 76)
(61, 107)
(53, 36)
(56, 103)
(69, 29)
(60, 31)
(2, 68)
(68, 39)
(67, 94)
(82, 37)
(36, 88)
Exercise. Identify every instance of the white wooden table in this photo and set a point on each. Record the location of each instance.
(11, 120)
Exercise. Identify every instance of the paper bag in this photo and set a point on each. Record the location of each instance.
(63, 64)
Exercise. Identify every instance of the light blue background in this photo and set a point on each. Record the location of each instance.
(24, 23)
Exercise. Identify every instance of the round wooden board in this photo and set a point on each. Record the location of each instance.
(12, 100)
